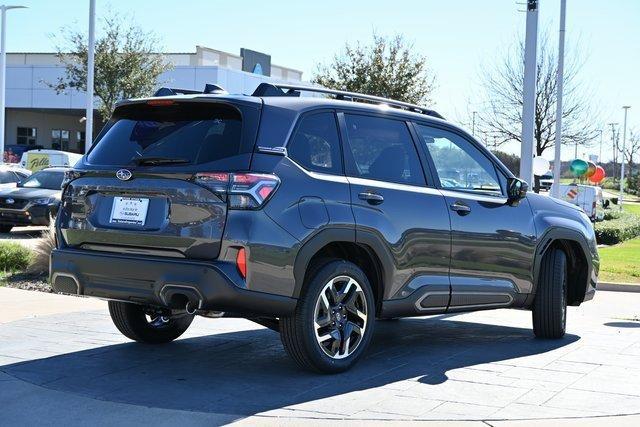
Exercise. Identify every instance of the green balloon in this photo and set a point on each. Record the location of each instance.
(578, 167)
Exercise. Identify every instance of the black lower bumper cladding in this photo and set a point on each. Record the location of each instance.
(158, 282)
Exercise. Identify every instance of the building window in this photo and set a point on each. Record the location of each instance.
(27, 136)
(80, 137)
(60, 139)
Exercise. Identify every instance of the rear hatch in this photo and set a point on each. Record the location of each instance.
(136, 191)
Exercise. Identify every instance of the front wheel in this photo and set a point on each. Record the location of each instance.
(550, 303)
(333, 322)
(140, 324)
(4, 228)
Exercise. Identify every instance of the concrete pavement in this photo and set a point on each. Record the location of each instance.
(71, 366)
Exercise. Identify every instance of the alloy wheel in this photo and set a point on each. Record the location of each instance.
(340, 317)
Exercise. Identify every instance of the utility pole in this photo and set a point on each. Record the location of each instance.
(473, 125)
(624, 142)
(600, 155)
(3, 73)
(559, 84)
(529, 92)
(613, 143)
(88, 130)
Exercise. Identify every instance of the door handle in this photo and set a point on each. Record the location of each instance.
(460, 208)
(371, 198)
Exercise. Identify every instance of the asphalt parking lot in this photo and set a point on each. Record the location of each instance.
(479, 366)
(27, 236)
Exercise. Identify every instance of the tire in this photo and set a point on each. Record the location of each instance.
(131, 320)
(4, 228)
(346, 290)
(550, 303)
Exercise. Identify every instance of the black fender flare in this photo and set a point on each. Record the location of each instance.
(546, 240)
(369, 240)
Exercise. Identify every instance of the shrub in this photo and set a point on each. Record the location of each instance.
(13, 256)
(39, 264)
(615, 230)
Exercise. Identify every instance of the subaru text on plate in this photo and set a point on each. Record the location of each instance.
(311, 216)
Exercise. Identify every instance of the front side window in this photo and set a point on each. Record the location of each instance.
(459, 164)
(382, 149)
(315, 145)
(8, 177)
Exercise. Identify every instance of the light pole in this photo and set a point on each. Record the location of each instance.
(529, 92)
(624, 141)
(3, 73)
(88, 130)
(559, 85)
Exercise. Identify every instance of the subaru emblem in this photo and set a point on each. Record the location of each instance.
(124, 175)
(10, 201)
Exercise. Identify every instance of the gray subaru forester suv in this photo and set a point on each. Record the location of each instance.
(313, 216)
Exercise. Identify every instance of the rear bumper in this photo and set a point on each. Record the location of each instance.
(153, 280)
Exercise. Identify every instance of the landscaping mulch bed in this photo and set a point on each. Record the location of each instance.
(28, 282)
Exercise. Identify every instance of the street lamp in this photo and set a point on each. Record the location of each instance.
(624, 140)
(3, 72)
(88, 130)
(529, 91)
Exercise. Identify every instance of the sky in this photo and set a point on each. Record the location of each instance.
(459, 38)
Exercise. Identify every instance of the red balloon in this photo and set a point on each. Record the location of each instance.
(598, 175)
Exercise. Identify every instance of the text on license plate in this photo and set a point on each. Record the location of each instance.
(129, 210)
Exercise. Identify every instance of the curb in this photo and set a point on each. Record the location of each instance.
(618, 287)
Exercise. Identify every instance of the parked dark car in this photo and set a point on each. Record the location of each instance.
(33, 201)
(311, 216)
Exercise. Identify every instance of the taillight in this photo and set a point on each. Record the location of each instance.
(243, 190)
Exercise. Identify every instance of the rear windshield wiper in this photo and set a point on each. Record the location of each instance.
(158, 161)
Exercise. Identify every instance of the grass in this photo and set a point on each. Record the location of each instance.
(619, 263)
(634, 208)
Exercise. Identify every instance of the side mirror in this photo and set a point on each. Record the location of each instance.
(516, 189)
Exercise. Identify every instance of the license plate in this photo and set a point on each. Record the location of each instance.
(129, 210)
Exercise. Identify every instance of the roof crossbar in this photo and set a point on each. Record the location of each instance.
(277, 89)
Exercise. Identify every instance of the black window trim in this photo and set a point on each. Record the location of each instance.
(345, 136)
(483, 150)
(294, 129)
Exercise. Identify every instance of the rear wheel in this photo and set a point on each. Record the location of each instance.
(140, 324)
(333, 322)
(4, 228)
(550, 303)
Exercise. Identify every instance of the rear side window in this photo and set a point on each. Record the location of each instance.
(315, 145)
(191, 133)
(383, 150)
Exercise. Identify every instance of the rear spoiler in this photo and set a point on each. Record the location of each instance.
(208, 89)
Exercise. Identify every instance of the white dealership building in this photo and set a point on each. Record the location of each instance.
(37, 115)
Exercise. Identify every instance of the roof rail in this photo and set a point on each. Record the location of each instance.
(277, 89)
(208, 89)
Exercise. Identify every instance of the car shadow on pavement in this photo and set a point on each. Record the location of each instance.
(247, 372)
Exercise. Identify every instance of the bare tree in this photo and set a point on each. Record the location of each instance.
(630, 150)
(503, 83)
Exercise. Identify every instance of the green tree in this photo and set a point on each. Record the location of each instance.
(127, 63)
(387, 67)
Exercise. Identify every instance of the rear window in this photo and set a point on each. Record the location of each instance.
(45, 179)
(191, 133)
